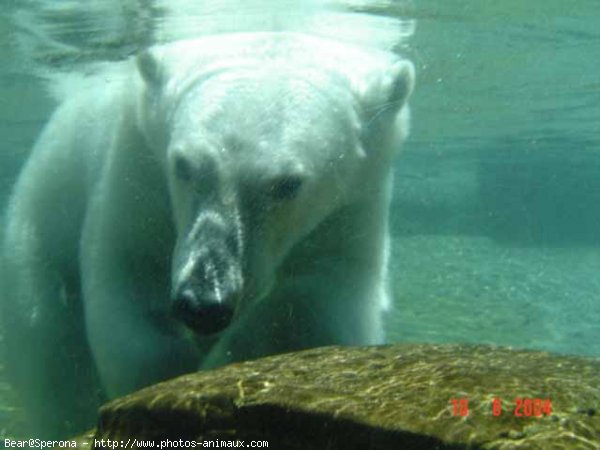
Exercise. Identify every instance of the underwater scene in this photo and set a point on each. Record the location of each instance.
(188, 187)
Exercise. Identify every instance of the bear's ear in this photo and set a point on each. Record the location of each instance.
(150, 68)
(386, 93)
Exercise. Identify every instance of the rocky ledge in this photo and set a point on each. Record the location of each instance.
(389, 397)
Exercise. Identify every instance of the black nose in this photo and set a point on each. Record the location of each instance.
(203, 316)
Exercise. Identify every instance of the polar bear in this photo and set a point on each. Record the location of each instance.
(209, 201)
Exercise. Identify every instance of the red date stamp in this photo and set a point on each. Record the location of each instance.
(520, 406)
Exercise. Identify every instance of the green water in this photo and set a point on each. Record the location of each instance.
(496, 214)
(495, 218)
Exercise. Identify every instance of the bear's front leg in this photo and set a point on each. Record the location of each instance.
(43, 335)
(46, 356)
(125, 264)
(133, 339)
(309, 311)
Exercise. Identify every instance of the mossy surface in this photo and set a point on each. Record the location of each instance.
(389, 397)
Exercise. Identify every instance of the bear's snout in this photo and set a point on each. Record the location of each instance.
(203, 314)
(206, 291)
(206, 288)
(207, 273)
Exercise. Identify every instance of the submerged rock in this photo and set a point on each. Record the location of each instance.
(389, 397)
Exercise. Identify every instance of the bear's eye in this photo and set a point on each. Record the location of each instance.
(183, 168)
(286, 188)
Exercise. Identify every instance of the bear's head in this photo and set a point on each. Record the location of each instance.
(257, 153)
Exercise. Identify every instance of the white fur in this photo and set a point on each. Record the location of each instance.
(98, 226)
